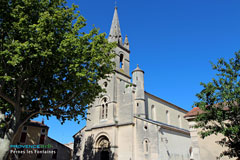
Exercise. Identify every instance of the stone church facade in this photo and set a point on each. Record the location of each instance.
(128, 123)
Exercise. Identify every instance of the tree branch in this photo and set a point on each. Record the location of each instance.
(9, 100)
(65, 102)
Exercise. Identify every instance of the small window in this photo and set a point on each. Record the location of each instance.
(42, 138)
(146, 143)
(121, 60)
(23, 137)
(137, 104)
(167, 117)
(104, 109)
(43, 130)
(54, 156)
(105, 84)
(179, 121)
(146, 146)
(145, 127)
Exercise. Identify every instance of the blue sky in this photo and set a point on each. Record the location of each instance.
(173, 41)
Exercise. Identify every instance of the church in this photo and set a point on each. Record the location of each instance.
(128, 123)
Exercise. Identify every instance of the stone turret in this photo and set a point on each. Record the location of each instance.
(138, 79)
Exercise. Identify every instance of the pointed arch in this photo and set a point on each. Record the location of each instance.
(121, 60)
(102, 143)
(104, 96)
(104, 108)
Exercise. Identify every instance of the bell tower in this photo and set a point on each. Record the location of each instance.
(122, 50)
(115, 105)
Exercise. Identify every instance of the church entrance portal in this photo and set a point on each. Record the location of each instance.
(103, 146)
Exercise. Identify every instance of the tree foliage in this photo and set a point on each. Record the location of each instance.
(220, 102)
(49, 66)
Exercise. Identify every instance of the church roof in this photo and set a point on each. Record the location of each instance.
(55, 141)
(79, 131)
(175, 106)
(165, 126)
(115, 32)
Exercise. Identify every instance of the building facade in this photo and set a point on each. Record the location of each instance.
(128, 123)
(206, 148)
(36, 133)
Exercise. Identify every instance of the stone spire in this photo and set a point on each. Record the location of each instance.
(115, 33)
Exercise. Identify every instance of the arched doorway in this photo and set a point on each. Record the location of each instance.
(103, 146)
(104, 155)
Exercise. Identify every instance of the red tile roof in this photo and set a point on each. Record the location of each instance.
(36, 124)
(194, 112)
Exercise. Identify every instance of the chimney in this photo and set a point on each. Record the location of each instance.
(42, 120)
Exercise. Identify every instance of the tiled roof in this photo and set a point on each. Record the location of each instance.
(36, 124)
(51, 139)
(194, 112)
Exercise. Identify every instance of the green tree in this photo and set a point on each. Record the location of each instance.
(49, 66)
(220, 102)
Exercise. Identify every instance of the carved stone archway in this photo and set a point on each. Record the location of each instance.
(103, 148)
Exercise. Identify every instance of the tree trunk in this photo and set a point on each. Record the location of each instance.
(4, 147)
(6, 140)
(7, 136)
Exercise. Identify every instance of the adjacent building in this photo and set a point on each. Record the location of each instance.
(206, 148)
(36, 133)
(128, 123)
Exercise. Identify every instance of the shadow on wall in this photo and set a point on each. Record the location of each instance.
(100, 151)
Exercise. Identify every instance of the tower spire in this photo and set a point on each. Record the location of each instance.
(115, 32)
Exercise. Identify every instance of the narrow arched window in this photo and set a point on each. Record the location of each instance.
(121, 61)
(106, 114)
(146, 146)
(167, 117)
(104, 109)
(179, 121)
